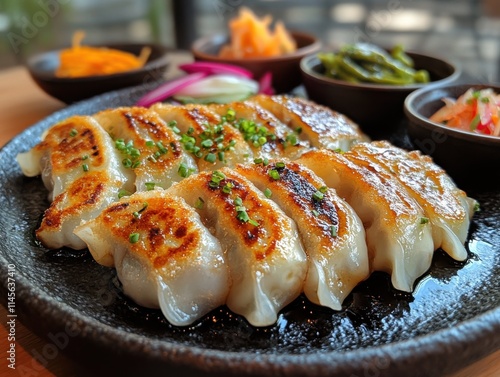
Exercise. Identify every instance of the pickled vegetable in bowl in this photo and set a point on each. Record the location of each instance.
(83, 61)
(476, 111)
(368, 63)
(251, 37)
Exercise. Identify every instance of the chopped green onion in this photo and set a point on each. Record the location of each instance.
(73, 133)
(137, 214)
(280, 165)
(292, 139)
(253, 222)
(134, 152)
(85, 167)
(230, 114)
(199, 203)
(274, 174)
(485, 100)
(127, 162)
(424, 220)
(207, 143)
(333, 231)
(227, 188)
(268, 193)
(173, 125)
(123, 193)
(85, 157)
(323, 189)
(184, 171)
(119, 144)
(220, 155)
(150, 185)
(161, 148)
(237, 201)
(318, 196)
(477, 207)
(298, 130)
(315, 213)
(150, 143)
(217, 176)
(242, 215)
(133, 237)
(258, 161)
(136, 164)
(211, 157)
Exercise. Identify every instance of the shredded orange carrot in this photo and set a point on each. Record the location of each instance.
(80, 61)
(252, 37)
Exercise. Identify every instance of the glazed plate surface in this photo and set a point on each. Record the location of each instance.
(452, 319)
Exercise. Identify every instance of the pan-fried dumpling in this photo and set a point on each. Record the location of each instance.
(214, 143)
(262, 246)
(448, 208)
(331, 232)
(68, 149)
(83, 199)
(149, 148)
(398, 236)
(266, 135)
(164, 256)
(322, 127)
(80, 167)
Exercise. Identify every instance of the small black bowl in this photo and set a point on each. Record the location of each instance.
(42, 69)
(376, 108)
(470, 158)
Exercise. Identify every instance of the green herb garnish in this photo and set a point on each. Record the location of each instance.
(123, 193)
(133, 237)
(274, 174)
(200, 203)
(184, 171)
(318, 196)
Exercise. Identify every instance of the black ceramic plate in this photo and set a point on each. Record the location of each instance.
(452, 318)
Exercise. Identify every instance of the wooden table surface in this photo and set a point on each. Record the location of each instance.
(22, 105)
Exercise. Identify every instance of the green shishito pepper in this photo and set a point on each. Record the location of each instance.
(365, 62)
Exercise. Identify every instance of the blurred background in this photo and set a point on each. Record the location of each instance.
(465, 31)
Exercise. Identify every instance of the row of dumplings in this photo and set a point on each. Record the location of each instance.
(253, 236)
(132, 149)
